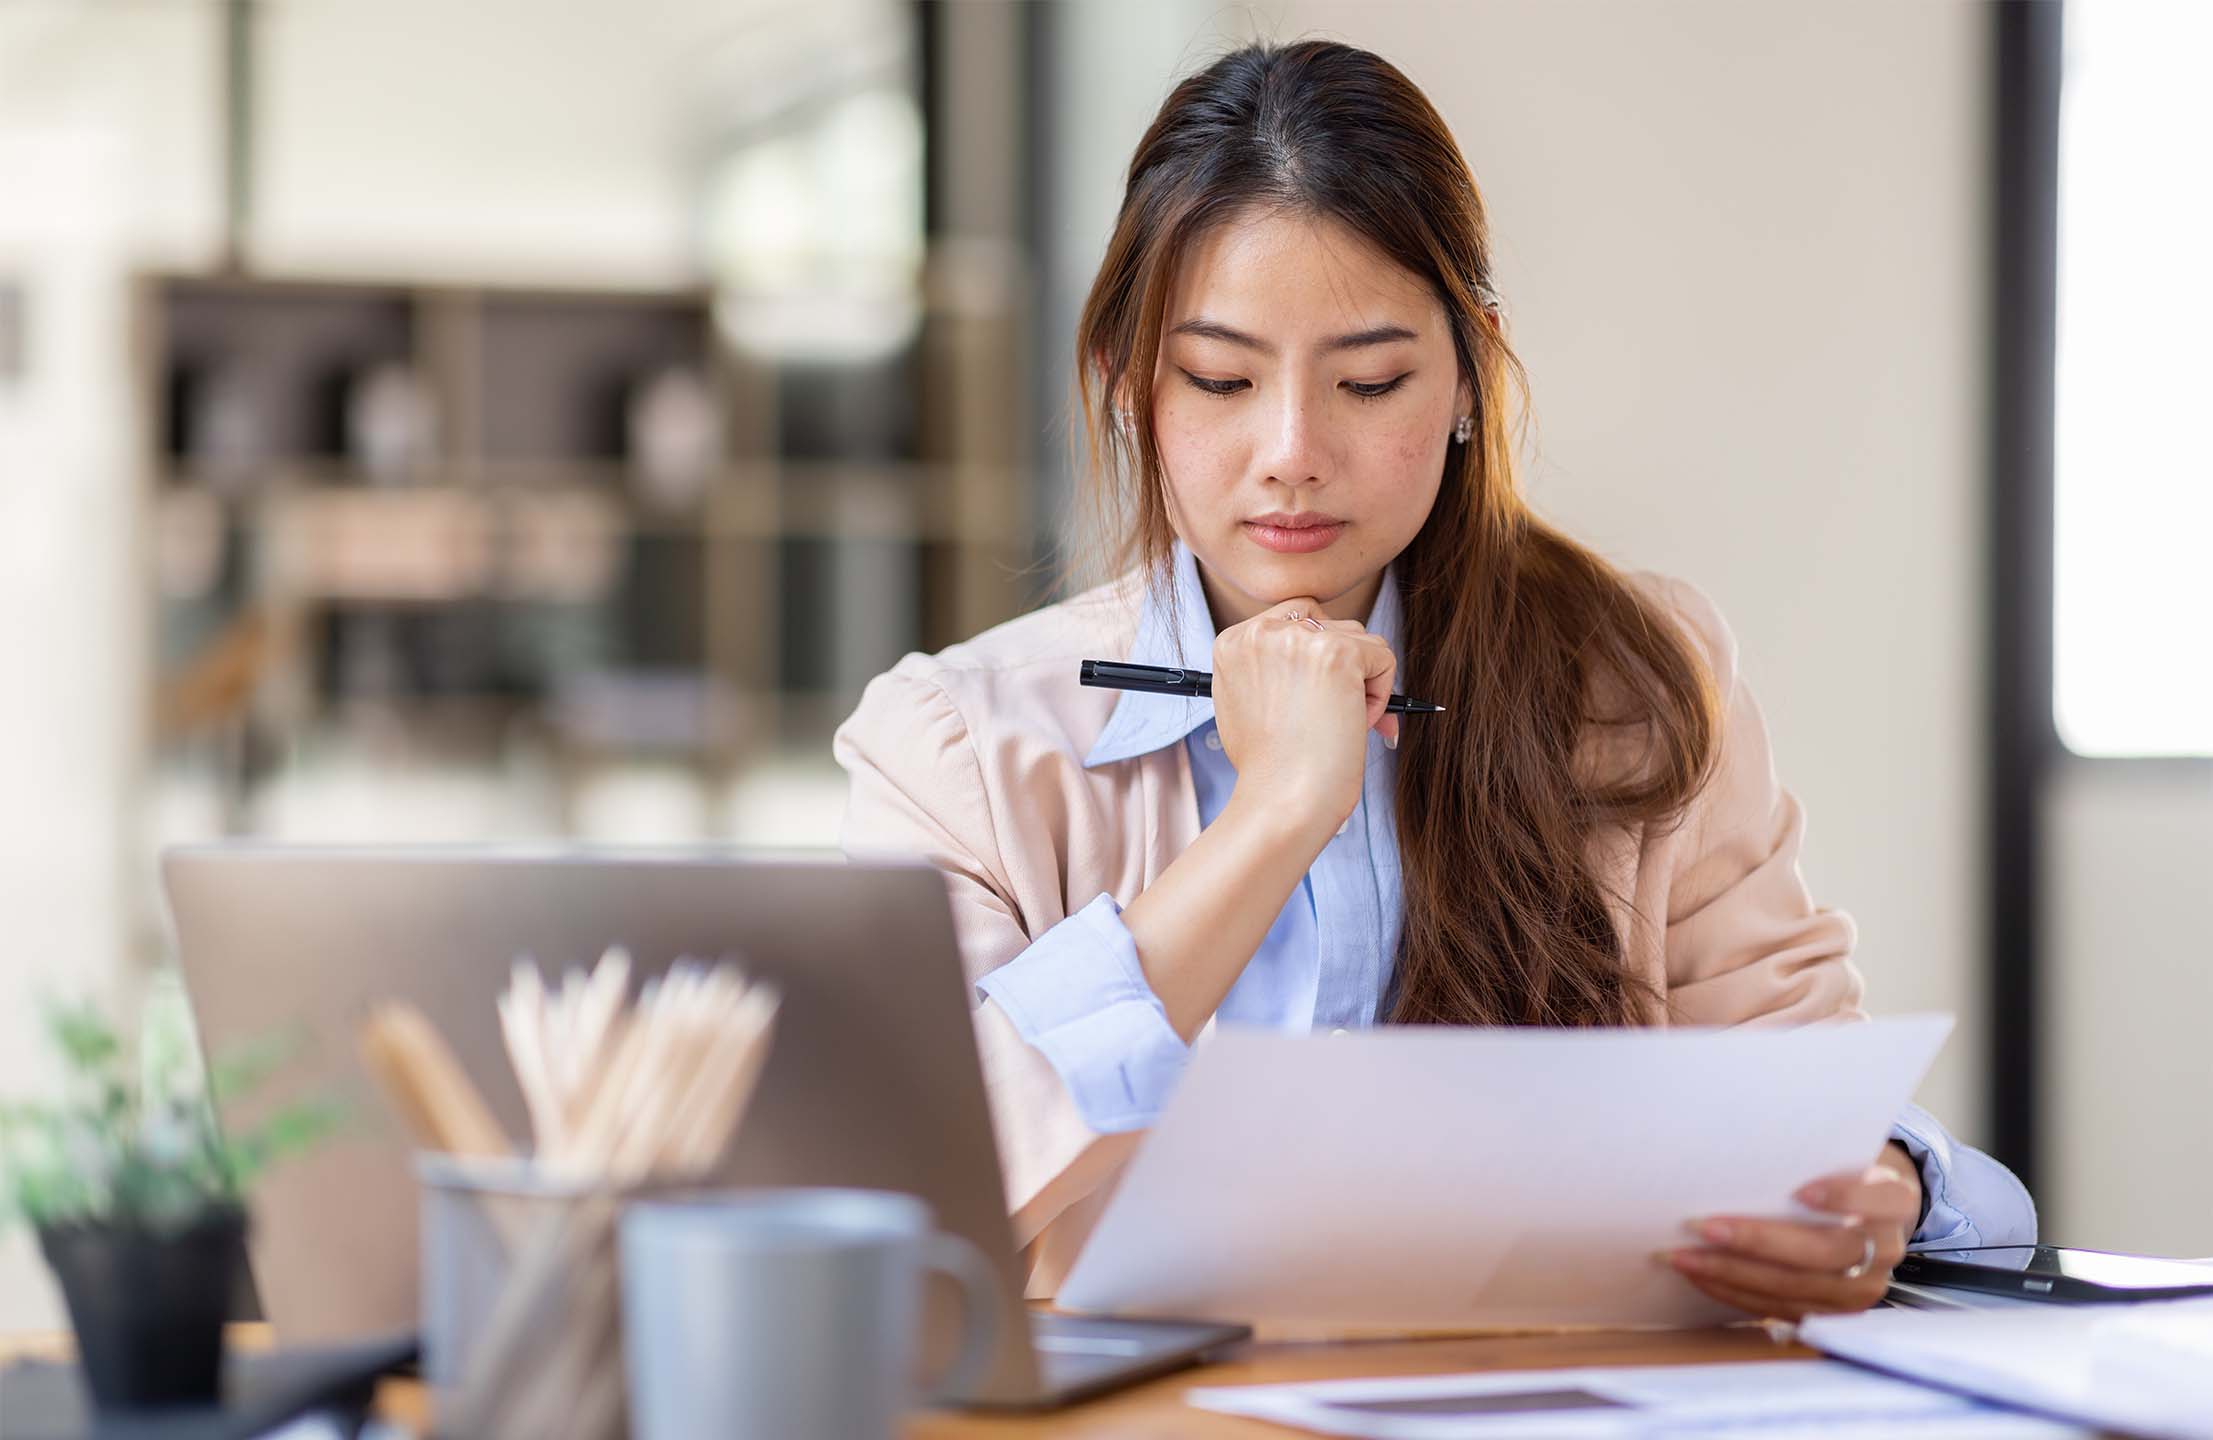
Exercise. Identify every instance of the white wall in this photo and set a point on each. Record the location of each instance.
(1741, 246)
(2128, 1064)
(496, 137)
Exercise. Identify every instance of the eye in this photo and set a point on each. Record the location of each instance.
(1223, 388)
(1378, 390)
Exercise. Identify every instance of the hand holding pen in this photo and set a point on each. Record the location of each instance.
(1294, 697)
(1198, 684)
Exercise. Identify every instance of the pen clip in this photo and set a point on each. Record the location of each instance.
(1107, 672)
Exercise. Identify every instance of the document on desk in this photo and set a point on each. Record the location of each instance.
(2144, 1368)
(1741, 1401)
(1423, 1178)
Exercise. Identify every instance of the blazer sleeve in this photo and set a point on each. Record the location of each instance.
(917, 790)
(1744, 940)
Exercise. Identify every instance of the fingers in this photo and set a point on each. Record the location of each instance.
(1782, 1289)
(1876, 1193)
(1796, 1267)
(1304, 608)
(1295, 608)
(1793, 1268)
(1806, 1247)
(1309, 611)
(1379, 665)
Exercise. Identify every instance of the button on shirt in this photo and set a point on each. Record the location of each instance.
(1080, 996)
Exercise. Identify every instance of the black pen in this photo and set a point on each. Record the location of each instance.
(1154, 680)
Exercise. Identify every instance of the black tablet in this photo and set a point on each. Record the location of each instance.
(2048, 1272)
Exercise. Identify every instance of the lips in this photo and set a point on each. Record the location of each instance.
(1299, 533)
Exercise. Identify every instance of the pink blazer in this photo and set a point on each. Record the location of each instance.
(973, 760)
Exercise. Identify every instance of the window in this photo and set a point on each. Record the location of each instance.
(2133, 628)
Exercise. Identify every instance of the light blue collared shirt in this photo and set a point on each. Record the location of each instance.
(1079, 994)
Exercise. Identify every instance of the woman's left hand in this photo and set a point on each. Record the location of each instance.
(1794, 1268)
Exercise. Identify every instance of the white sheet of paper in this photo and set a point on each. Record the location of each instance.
(1422, 1177)
(2145, 1368)
(1781, 1397)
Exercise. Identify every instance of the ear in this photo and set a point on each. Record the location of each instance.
(1463, 398)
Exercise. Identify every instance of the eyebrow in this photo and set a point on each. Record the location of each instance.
(1215, 330)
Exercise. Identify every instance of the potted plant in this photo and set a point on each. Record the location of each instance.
(138, 1199)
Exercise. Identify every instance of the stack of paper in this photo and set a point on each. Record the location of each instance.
(1767, 1398)
(2146, 1368)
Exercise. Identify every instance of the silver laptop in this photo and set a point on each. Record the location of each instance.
(872, 1081)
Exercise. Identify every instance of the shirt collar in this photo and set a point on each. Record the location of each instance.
(1181, 634)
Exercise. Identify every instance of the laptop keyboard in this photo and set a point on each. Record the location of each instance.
(1074, 1349)
(1070, 1352)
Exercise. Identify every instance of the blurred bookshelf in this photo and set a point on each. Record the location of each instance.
(536, 535)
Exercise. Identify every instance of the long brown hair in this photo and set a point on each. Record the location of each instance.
(1532, 642)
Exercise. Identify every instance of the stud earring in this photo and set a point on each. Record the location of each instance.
(1125, 422)
(1463, 429)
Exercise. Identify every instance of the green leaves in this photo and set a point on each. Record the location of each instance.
(140, 1144)
(83, 1036)
(245, 1068)
(292, 1130)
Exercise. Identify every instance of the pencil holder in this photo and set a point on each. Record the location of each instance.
(522, 1300)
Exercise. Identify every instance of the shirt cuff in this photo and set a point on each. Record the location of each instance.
(1967, 1197)
(1080, 997)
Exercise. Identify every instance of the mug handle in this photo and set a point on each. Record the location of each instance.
(965, 1266)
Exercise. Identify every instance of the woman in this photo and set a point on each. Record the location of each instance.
(1302, 410)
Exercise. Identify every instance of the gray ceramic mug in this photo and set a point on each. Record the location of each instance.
(790, 1313)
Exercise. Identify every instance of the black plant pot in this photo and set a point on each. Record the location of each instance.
(148, 1306)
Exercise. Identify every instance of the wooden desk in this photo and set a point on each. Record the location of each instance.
(1156, 1411)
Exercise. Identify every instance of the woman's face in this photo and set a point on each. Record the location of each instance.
(1304, 401)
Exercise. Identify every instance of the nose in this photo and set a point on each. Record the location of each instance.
(1292, 447)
